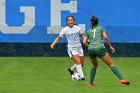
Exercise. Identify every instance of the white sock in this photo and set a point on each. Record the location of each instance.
(73, 67)
(79, 70)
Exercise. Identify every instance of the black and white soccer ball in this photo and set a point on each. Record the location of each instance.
(76, 77)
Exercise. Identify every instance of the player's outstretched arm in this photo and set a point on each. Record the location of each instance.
(85, 39)
(55, 42)
(108, 42)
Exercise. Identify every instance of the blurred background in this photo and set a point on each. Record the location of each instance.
(28, 28)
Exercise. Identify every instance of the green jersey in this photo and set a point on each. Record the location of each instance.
(95, 36)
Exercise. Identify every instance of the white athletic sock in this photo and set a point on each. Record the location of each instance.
(73, 67)
(79, 70)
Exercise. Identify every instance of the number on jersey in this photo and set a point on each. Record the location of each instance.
(94, 31)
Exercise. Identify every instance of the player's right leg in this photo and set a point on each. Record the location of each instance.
(71, 69)
(93, 71)
(71, 53)
(107, 59)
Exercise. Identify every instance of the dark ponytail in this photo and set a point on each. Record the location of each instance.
(94, 21)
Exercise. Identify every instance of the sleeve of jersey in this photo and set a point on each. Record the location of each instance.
(87, 35)
(80, 30)
(103, 29)
(62, 33)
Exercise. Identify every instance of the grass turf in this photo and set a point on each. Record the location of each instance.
(49, 75)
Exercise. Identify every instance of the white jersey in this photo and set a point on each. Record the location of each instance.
(73, 36)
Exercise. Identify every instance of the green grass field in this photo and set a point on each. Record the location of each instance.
(49, 75)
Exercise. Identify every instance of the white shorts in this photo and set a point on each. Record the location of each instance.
(78, 51)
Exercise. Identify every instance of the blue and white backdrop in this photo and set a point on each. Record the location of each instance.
(42, 20)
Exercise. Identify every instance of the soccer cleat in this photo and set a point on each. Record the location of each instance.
(125, 82)
(90, 85)
(83, 79)
(71, 72)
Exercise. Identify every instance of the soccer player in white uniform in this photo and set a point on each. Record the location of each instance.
(74, 47)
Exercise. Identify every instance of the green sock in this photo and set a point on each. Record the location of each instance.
(116, 72)
(92, 74)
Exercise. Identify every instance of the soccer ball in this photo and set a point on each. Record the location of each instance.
(76, 77)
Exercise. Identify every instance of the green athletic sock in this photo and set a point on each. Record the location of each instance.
(92, 74)
(116, 72)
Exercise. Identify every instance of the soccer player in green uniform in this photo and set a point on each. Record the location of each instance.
(96, 49)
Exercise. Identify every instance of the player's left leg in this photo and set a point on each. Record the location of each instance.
(81, 56)
(93, 71)
(75, 55)
(71, 69)
(107, 59)
(71, 53)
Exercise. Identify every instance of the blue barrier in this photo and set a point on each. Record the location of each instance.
(42, 20)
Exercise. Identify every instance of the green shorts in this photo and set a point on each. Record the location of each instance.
(97, 52)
